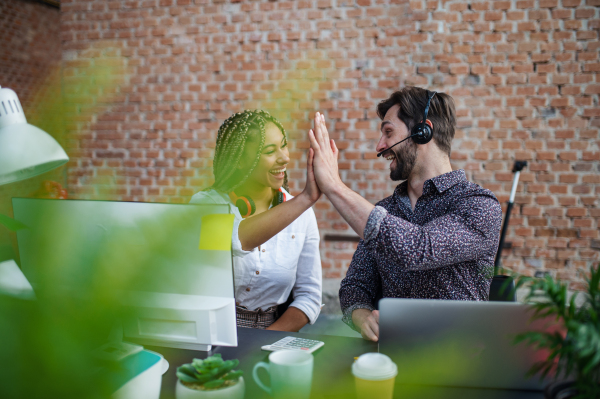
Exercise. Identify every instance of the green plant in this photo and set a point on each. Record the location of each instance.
(210, 373)
(576, 354)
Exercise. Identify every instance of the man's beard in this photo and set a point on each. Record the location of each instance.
(405, 162)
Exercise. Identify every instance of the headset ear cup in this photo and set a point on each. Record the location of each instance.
(422, 133)
(252, 206)
(242, 206)
(278, 199)
(246, 206)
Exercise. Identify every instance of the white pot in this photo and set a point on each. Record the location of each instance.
(233, 392)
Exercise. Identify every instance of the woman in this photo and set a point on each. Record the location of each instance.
(275, 240)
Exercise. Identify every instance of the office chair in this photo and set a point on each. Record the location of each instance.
(503, 289)
(284, 306)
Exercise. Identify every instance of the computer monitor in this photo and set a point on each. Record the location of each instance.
(173, 293)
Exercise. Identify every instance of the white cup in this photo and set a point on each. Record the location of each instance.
(374, 374)
(291, 374)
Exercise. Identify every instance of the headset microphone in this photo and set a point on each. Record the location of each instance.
(389, 148)
(421, 132)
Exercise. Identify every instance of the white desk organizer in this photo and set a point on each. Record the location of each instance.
(179, 321)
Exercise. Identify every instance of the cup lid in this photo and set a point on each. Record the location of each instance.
(374, 366)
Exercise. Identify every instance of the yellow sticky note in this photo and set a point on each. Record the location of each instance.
(216, 232)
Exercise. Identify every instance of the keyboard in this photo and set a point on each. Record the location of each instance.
(307, 345)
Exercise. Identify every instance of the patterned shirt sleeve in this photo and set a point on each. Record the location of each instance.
(450, 239)
(361, 287)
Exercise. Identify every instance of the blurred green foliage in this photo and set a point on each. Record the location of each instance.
(79, 290)
(576, 354)
(45, 343)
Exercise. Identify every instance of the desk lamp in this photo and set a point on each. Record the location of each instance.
(25, 151)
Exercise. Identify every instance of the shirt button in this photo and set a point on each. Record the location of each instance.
(257, 272)
(263, 250)
(248, 289)
(237, 303)
(293, 236)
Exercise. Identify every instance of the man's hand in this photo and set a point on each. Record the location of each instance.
(368, 322)
(325, 156)
(311, 190)
(354, 208)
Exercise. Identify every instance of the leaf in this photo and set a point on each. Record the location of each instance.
(200, 366)
(204, 378)
(577, 353)
(213, 361)
(572, 306)
(184, 377)
(11, 224)
(187, 368)
(214, 384)
(233, 375)
(592, 363)
(226, 367)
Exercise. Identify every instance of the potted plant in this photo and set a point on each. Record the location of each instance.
(211, 378)
(576, 355)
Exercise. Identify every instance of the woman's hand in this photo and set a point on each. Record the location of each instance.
(325, 157)
(260, 228)
(311, 190)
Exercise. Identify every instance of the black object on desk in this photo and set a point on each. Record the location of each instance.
(332, 376)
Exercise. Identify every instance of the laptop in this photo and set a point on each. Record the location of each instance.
(460, 343)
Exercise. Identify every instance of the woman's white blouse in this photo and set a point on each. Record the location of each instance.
(290, 260)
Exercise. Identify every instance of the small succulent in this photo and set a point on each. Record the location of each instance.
(210, 373)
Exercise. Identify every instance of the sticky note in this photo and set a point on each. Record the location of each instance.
(11, 224)
(216, 232)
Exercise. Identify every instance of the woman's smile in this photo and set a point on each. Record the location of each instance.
(278, 172)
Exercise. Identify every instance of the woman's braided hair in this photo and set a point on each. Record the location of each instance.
(231, 141)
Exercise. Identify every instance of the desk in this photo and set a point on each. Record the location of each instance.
(332, 378)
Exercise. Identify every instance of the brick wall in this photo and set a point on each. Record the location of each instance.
(30, 51)
(31, 46)
(524, 75)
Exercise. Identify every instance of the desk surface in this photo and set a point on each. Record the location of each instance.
(332, 378)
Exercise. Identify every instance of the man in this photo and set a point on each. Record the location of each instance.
(435, 237)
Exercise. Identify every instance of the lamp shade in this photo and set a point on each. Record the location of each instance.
(25, 150)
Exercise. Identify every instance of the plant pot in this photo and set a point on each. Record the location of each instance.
(232, 392)
(560, 390)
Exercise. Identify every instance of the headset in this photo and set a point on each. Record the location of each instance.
(247, 206)
(421, 133)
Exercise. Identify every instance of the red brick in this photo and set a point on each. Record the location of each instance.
(269, 55)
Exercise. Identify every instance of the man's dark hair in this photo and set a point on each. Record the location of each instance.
(412, 101)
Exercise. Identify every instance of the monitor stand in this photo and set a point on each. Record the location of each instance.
(171, 344)
(116, 336)
(179, 321)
